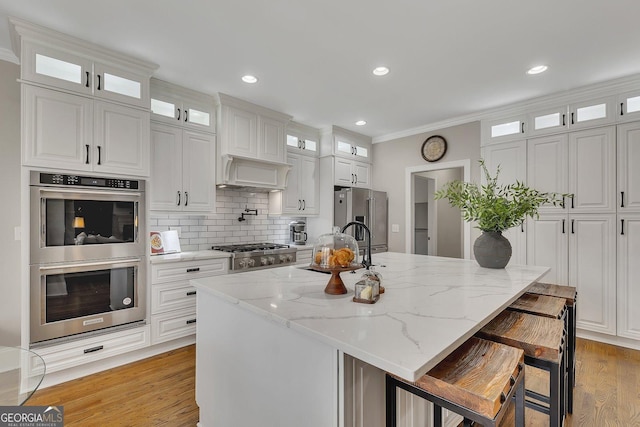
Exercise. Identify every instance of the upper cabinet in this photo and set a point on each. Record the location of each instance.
(549, 120)
(303, 139)
(349, 145)
(503, 129)
(628, 106)
(176, 105)
(251, 131)
(595, 112)
(63, 62)
(84, 108)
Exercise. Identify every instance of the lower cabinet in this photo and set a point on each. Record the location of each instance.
(303, 256)
(364, 400)
(97, 347)
(173, 299)
(628, 237)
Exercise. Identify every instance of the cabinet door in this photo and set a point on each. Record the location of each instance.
(57, 129)
(121, 139)
(343, 147)
(547, 121)
(198, 115)
(120, 85)
(242, 132)
(198, 171)
(56, 68)
(628, 106)
(592, 270)
(166, 108)
(309, 184)
(592, 170)
(628, 276)
(271, 140)
(291, 200)
(166, 168)
(362, 173)
(595, 112)
(628, 167)
(511, 157)
(343, 174)
(503, 129)
(547, 246)
(362, 152)
(547, 160)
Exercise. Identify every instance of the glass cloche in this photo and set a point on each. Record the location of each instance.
(335, 250)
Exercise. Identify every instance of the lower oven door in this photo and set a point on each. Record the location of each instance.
(74, 298)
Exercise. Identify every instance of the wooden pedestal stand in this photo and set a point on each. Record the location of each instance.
(336, 285)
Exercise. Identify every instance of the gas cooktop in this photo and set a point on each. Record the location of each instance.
(251, 256)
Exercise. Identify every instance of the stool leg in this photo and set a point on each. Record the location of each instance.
(467, 422)
(554, 396)
(572, 358)
(519, 396)
(437, 415)
(390, 397)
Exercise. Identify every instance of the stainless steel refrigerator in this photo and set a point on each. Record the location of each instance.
(367, 206)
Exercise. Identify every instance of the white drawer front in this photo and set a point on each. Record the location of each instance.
(172, 296)
(173, 325)
(172, 271)
(303, 256)
(76, 353)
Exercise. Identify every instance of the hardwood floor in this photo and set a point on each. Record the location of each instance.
(160, 391)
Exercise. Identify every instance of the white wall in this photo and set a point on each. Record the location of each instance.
(10, 261)
(391, 158)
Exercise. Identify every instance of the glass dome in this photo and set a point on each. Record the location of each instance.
(335, 250)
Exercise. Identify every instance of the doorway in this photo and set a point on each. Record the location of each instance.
(441, 221)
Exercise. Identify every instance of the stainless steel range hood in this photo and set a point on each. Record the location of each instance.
(237, 172)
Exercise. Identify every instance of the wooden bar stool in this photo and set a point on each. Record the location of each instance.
(554, 308)
(542, 340)
(477, 380)
(570, 295)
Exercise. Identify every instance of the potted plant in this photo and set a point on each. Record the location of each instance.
(495, 208)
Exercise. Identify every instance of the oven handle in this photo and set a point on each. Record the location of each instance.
(88, 192)
(88, 264)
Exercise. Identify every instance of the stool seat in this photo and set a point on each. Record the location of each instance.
(477, 380)
(538, 336)
(569, 293)
(476, 375)
(541, 305)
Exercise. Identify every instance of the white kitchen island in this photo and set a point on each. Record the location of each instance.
(273, 348)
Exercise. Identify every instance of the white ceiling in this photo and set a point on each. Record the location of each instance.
(448, 58)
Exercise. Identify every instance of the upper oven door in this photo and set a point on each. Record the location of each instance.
(70, 225)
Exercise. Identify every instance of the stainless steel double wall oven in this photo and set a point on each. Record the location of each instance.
(87, 256)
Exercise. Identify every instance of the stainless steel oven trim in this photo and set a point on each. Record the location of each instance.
(45, 331)
(40, 254)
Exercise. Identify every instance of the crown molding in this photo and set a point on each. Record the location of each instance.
(8, 55)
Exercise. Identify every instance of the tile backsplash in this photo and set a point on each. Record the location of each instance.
(200, 232)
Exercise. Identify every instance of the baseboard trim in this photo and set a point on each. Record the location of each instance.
(608, 339)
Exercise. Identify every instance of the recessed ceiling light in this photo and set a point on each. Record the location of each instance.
(381, 71)
(537, 69)
(249, 79)
(361, 123)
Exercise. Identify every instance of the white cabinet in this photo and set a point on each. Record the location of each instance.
(503, 129)
(548, 120)
(340, 142)
(592, 270)
(251, 131)
(628, 167)
(548, 245)
(349, 173)
(300, 197)
(74, 353)
(176, 105)
(303, 255)
(511, 158)
(628, 236)
(182, 169)
(173, 299)
(594, 112)
(304, 145)
(77, 66)
(67, 131)
(581, 163)
(628, 106)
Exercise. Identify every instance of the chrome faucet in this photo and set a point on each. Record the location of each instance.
(365, 262)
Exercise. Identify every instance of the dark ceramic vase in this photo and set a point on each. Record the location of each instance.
(492, 250)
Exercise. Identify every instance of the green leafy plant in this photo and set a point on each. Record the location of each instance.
(496, 207)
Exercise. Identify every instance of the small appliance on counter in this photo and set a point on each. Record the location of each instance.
(297, 233)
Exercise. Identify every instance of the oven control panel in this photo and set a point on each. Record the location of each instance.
(87, 181)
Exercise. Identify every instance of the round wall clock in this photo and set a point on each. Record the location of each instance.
(434, 148)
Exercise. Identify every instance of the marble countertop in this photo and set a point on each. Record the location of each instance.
(188, 256)
(430, 307)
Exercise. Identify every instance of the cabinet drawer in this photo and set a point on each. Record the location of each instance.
(303, 256)
(173, 325)
(99, 347)
(173, 271)
(171, 296)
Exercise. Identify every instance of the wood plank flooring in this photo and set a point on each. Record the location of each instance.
(160, 391)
